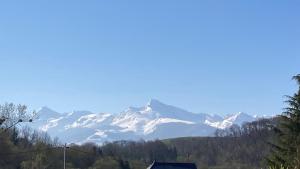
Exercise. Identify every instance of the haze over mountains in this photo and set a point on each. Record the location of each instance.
(155, 120)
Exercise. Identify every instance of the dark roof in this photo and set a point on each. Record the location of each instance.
(158, 165)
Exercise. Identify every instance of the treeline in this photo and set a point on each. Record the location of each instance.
(245, 146)
(29, 149)
(237, 147)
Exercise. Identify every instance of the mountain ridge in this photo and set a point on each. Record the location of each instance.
(155, 120)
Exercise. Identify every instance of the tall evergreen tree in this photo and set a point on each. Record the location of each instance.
(286, 150)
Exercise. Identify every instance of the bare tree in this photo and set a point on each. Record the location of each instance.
(11, 114)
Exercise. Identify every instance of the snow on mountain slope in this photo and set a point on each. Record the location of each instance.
(45, 119)
(237, 118)
(177, 129)
(89, 121)
(168, 111)
(155, 120)
(152, 125)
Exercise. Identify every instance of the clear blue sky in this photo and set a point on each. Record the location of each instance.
(205, 56)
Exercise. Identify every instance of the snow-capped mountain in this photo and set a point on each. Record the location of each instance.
(155, 120)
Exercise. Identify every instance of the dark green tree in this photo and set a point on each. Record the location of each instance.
(286, 150)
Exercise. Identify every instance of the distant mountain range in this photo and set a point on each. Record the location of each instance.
(155, 120)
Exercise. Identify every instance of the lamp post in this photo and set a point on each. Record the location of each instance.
(65, 155)
(65, 149)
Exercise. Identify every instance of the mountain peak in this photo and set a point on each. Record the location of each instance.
(241, 114)
(46, 112)
(239, 118)
(155, 103)
(44, 108)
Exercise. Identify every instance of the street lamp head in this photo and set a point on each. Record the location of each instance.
(2, 120)
(30, 120)
(20, 120)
